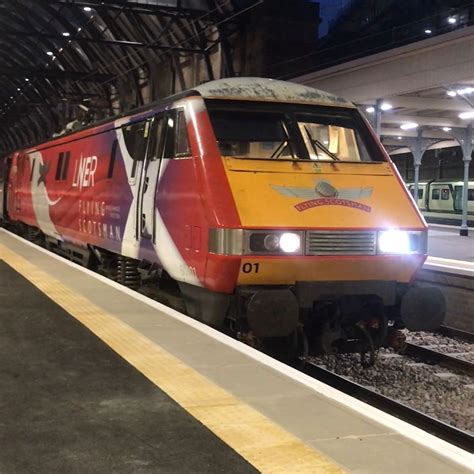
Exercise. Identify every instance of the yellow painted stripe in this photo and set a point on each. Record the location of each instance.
(264, 444)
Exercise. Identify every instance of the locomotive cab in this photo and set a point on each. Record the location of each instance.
(327, 239)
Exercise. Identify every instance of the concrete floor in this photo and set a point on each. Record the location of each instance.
(68, 403)
(445, 242)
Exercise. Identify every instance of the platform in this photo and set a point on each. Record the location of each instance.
(445, 242)
(96, 377)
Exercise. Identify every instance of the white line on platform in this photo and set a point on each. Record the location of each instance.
(447, 265)
(417, 435)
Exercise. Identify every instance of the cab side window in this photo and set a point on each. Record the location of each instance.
(435, 194)
(445, 194)
(176, 136)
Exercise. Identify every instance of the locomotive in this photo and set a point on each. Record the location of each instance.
(272, 206)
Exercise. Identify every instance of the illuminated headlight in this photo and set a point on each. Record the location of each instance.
(290, 242)
(273, 242)
(401, 242)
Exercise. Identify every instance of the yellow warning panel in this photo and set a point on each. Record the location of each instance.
(263, 443)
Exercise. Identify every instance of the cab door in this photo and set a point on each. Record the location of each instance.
(149, 181)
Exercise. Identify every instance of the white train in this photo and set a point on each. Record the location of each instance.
(441, 200)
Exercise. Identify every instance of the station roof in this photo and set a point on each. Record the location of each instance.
(58, 55)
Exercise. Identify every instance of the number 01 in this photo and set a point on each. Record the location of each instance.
(250, 267)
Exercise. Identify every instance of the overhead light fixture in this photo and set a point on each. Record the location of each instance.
(428, 31)
(452, 93)
(466, 115)
(49, 53)
(399, 138)
(466, 90)
(447, 129)
(11, 97)
(87, 9)
(370, 110)
(26, 79)
(18, 89)
(386, 106)
(452, 20)
(66, 34)
(408, 125)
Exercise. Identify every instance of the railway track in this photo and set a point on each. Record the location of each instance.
(415, 417)
(432, 357)
(456, 333)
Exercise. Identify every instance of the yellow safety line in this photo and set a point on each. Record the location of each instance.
(264, 444)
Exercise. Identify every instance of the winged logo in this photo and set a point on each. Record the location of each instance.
(325, 194)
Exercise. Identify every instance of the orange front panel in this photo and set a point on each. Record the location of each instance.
(288, 270)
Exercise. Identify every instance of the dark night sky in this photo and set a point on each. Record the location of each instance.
(330, 9)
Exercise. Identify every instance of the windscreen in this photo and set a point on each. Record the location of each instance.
(295, 133)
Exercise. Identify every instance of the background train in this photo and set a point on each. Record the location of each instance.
(441, 200)
(271, 205)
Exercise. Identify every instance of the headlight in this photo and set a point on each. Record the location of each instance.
(290, 242)
(273, 242)
(401, 242)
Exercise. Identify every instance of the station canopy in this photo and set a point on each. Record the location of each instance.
(61, 57)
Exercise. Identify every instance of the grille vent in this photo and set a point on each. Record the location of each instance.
(323, 242)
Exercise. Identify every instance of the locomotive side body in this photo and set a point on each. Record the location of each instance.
(272, 205)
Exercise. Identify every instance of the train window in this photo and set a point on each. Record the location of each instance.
(252, 135)
(33, 163)
(113, 153)
(62, 166)
(445, 194)
(176, 135)
(136, 136)
(332, 138)
(182, 141)
(435, 194)
(470, 194)
(420, 193)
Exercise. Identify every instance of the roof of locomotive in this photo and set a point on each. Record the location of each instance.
(259, 89)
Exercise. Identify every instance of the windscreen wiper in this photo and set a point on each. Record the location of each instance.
(316, 143)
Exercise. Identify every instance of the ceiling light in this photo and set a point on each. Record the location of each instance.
(50, 53)
(66, 34)
(26, 79)
(452, 93)
(447, 129)
(408, 125)
(11, 97)
(428, 31)
(466, 90)
(466, 115)
(18, 89)
(451, 20)
(399, 138)
(370, 110)
(386, 106)
(87, 9)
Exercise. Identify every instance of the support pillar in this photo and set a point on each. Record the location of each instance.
(467, 152)
(378, 117)
(417, 151)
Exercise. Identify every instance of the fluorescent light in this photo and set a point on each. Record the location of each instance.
(370, 110)
(66, 34)
(428, 31)
(466, 115)
(49, 53)
(447, 129)
(451, 20)
(466, 90)
(408, 125)
(452, 93)
(386, 106)
(87, 9)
